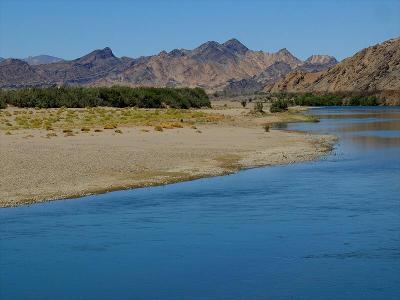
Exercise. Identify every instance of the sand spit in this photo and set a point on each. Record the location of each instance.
(37, 168)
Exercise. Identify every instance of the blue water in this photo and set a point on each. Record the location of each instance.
(328, 229)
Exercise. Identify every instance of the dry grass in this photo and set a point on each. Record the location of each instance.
(107, 118)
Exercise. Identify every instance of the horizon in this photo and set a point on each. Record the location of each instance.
(158, 26)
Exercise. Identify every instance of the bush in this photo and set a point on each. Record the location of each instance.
(279, 106)
(244, 103)
(366, 98)
(258, 107)
(116, 96)
(2, 100)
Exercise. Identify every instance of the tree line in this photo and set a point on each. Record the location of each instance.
(116, 96)
(338, 99)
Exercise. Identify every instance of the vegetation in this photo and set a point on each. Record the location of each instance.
(258, 107)
(101, 118)
(244, 103)
(2, 100)
(279, 106)
(340, 99)
(116, 96)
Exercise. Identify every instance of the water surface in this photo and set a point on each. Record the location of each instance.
(328, 229)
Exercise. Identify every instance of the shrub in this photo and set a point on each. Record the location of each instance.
(116, 96)
(266, 127)
(158, 128)
(110, 126)
(2, 104)
(279, 106)
(258, 107)
(244, 103)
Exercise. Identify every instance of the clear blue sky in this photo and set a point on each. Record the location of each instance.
(70, 29)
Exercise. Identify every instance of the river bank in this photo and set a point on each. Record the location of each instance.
(39, 167)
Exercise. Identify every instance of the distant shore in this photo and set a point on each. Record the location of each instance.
(38, 167)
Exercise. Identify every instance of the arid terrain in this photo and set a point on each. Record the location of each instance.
(211, 66)
(376, 68)
(60, 153)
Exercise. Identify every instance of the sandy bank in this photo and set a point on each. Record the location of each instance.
(35, 168)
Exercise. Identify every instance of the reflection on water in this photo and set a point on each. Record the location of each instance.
(328, 229)
(364, 127)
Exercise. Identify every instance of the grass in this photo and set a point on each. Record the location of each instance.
(295, 116)
(87, 119)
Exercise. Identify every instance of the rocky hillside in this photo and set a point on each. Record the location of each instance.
(376, 68)
(212, 65)
(275, 72)
(317, 63)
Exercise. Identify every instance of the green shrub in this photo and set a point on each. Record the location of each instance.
(116, 96)
(279, 106)
(258, 107)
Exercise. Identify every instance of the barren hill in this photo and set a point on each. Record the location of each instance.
(212, 66)
(376, 68)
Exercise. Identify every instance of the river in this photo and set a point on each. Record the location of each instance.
(326, 229)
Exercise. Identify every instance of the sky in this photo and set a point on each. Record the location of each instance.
(70, 29)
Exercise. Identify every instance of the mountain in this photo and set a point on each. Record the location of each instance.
(15, 73)
(41, 60)
(317, 63)
(1, 59)
(212, 65)
(376, 68)
(256, 83)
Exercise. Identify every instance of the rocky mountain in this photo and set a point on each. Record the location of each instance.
(317, 63)
(256, 83)
(41, 60)
(212, 65)
(275, 72)
(376, 68)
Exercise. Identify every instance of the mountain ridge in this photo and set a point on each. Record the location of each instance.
(376, 68)
(211, 65)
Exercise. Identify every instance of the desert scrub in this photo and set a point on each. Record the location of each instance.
(109, 118)
(258, 107)
(279, 106)
(118, 131)
(51, 134)
(266, 127)
(110, 126)
(116, 96)
(158, 128)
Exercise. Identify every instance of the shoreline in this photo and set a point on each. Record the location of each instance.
(39, 169)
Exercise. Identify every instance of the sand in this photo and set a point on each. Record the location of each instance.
(35, 168)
